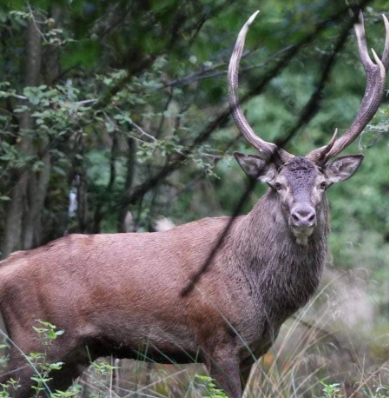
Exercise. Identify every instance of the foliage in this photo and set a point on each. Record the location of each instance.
(98, 380)
(210, 388)
(38, 360)
(331, 390)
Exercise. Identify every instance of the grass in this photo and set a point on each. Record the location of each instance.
(315, 356)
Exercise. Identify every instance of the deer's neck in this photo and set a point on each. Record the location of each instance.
(280, 273)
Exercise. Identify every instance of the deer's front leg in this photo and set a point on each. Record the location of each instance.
(224, 369)
(245, 370)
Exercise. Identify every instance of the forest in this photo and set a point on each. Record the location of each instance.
(114, 118)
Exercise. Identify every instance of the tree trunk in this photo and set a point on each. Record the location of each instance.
(36, 194)
(12, 239)
(38, 182)
(122, 216)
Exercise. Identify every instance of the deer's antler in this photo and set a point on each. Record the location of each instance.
(375, 85)
(266, 149)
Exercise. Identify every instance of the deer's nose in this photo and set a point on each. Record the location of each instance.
(303, 216)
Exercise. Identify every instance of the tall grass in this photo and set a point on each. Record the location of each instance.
(316, 355)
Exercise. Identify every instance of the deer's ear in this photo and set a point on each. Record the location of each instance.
(342, 168)
(255, 167)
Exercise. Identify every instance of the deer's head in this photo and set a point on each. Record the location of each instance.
(300, 182)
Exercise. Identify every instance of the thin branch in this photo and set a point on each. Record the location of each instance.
(86, 102)
(140, 130)
(209, 72)
(35, 22)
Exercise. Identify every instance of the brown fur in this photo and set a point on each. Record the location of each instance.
(120, 293)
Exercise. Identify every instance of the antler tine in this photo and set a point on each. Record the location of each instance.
(375, 85)
(266, 149)
(360, 34)
(385, 54)
(320, 154)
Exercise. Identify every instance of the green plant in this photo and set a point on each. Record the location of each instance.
(9, 386)
(331, 390)
(208, 386)
(47, 333)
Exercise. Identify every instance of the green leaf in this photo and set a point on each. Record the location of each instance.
(38, 166)
(110, 127)
(59, 170)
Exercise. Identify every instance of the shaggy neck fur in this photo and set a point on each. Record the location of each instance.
(281, 273)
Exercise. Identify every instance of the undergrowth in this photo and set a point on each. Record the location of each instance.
(293, 369)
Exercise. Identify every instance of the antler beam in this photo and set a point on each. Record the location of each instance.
(375, 86)
(266, 149)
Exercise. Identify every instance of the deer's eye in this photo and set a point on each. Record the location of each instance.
(323, 186)
(278, 186)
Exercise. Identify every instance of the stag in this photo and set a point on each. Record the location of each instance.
(119, 294)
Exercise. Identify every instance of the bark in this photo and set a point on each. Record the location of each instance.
(36, 194)
(38, 182)
(98, 214)
(82, 199)
(13, 228)
(82, 187)
(51, 69)
(122, 216)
